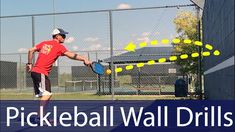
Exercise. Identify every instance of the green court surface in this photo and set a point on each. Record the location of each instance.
(85, 96)
(76, 93)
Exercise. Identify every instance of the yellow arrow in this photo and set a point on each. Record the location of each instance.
(172, 58)
(130, 47)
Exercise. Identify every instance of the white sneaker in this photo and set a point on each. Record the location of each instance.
(38, 95)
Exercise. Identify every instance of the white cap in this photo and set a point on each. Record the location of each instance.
(59, 31)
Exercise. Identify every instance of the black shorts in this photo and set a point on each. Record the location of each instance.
(41, 83)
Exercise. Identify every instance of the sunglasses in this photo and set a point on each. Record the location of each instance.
(63, 36)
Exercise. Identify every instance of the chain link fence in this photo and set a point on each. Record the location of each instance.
(72, 76)
(91, 37)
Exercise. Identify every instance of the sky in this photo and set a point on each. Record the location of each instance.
(87, 31)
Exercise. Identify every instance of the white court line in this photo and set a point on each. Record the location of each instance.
(227, 63)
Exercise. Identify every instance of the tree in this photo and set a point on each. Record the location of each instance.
(186, 27)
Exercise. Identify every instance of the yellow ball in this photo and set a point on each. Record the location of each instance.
(108, 71)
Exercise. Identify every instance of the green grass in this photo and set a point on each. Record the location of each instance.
(85, 96)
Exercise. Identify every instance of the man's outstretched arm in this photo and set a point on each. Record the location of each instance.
(75, 56)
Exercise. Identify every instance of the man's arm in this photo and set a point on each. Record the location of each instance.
(30, 58)
(75, 56)
(30, 54)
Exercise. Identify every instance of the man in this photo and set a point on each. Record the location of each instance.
(49, 51)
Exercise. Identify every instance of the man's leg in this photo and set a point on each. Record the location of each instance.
(46, 91)
(44, 100)
(36, 77)
(42, 90)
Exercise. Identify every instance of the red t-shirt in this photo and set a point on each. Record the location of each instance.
(49, 51)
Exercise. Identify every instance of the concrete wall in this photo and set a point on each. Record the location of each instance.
(8, 74)
(218, 30)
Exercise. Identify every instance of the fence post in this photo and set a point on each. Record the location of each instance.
(33, 35)
(111, 53)
(139, 80)
(20, 70)
(199, 51)
(98, 80)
